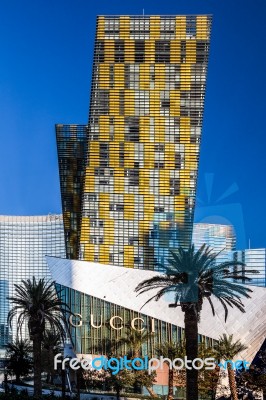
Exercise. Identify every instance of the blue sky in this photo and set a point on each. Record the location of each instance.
(46, 52)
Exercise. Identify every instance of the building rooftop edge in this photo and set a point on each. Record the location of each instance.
(212, 224)
(59, 124)
(154, 15)
(31, 218)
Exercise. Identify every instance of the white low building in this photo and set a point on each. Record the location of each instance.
(116, 285)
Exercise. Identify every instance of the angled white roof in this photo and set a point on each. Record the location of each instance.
(117, 285)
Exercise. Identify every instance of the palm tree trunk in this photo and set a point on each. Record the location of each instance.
(51, 364)
(48, 377)
(6, 383)
(37, 380)
(170, 384)
(191, 336)
(78, 383)
(63, 379)
(117, 393)
(232, 382)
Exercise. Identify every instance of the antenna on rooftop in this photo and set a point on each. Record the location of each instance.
(249, 244)
(143, 12)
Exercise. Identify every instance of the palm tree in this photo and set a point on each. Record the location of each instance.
(50, 347)
(18, 354)
(106, 346)
(226, 349)
(134, 341)
(208, 379)
(192, 276)
(37, 304)
(119, 381)
(171, 350)
(255, 377)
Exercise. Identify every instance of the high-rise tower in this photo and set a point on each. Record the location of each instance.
(147, 97)
(24, 243)
(71, 150)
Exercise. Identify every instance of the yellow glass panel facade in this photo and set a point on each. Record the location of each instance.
(145, 122)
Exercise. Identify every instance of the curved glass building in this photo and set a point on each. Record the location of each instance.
(24, 243)
(221, 238)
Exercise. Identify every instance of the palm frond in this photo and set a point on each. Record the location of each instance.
(192, 275)
(37, 303)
